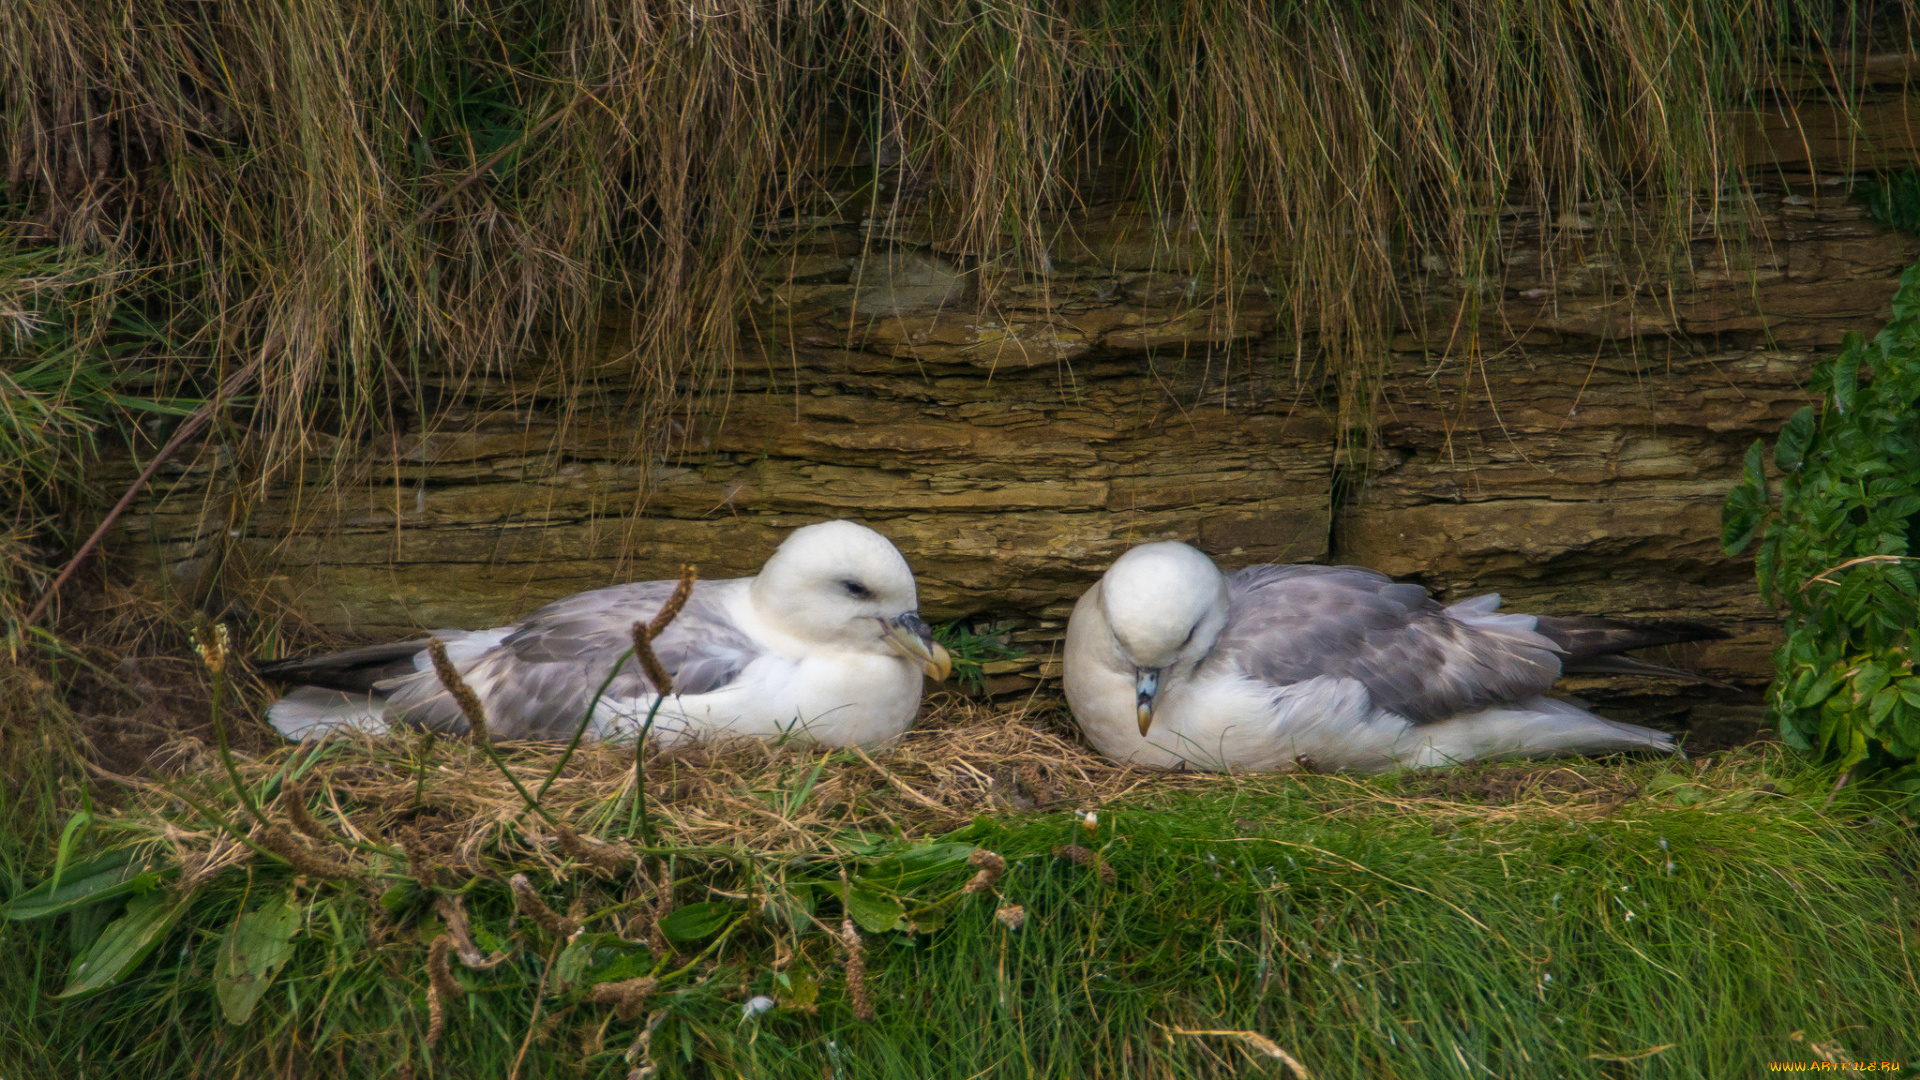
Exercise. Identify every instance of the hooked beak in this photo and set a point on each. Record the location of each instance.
(1146, 686)
(914, 638)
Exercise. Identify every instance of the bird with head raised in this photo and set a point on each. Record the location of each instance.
(1170, 662)
(825, 644)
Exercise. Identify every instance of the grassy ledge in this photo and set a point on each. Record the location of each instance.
(1595, 920)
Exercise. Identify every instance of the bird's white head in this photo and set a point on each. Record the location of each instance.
(841, 584)
(1166, 604)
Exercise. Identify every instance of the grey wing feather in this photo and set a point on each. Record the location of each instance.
(540, 680)
(1288, 624)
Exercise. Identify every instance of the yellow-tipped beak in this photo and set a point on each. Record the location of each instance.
(914, 639)
(1146, 688)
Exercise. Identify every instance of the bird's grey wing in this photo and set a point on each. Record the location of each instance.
(1288, 624)
(539, 682)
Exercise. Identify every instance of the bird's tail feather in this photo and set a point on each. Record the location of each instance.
(1537, 727)
(312, 712)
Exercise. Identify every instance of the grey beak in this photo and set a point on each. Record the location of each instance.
(911, 635)
(1147, 687)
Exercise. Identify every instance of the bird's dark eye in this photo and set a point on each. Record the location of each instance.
(855, 589)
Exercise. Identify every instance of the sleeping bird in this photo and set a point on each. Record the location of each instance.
(825, 644)
(1170, 662)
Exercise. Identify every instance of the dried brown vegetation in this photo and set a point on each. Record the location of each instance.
(390, 202)
(448, 804)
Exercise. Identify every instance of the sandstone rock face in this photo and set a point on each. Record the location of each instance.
(1563, 434)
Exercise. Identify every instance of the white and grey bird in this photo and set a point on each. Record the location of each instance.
(826, 645)
(1170, 662)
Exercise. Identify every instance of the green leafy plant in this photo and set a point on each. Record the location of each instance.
(1836, 550)
(1894, 200)
(971, 650)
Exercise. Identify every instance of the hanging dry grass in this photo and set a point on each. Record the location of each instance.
(389, 203)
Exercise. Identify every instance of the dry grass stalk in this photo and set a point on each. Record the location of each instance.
(671, 609)
(453, 912)
(594, 852)
(442, 987)
(303, 858)
(662, 682)
(628, 996)
(463, 694)
(640, 1054)
(662, 904)
(420, 865)
(528, 901)
(643, 653)
(1257, 1043)
(293, 798)
(856, 969)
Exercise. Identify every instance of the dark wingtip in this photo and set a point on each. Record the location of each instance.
(353, 671)
(1583, 635)
(1609, 664)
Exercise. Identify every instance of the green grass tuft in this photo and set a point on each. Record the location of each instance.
(1648, 920)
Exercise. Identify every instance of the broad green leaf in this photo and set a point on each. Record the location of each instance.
(115, 873)
(874, 912)
(1737, 527)
(572, 964)
(400, 896)
(124, 943)
(1855, 746)
(1765, 566)
(1753, 470)
(597, 958)
(1906, 722)
(626, 960)
(1906, 299)
(253, 952)
(1845, 381)
(1741, 515)
(1882, 704)
(85, 923)
(696, 921)
(1795, 437)
(916, 866)
(1834, 716)
(1910, 692)
(1868, 680)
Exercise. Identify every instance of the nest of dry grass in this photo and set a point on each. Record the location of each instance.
(964, 758)
(447, 803)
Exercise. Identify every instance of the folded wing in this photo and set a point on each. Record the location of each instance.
(1289, 624)
(539, 681)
